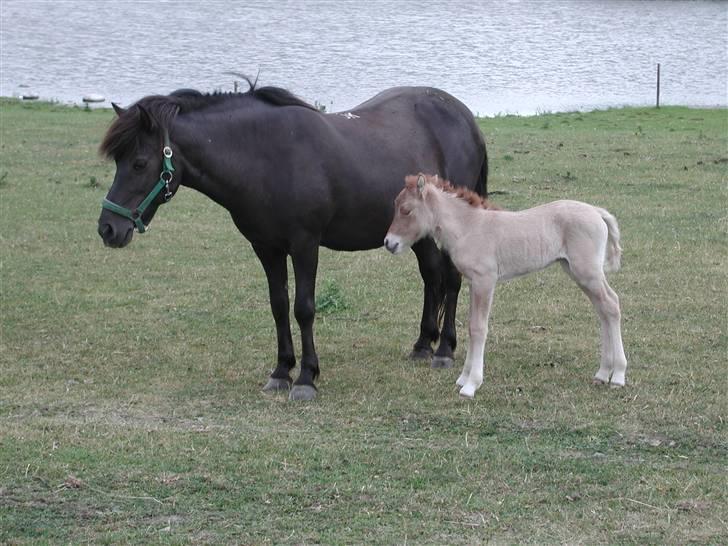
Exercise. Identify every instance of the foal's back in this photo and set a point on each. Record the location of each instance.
(532, 239)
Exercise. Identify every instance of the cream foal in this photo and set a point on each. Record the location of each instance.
(488, 246)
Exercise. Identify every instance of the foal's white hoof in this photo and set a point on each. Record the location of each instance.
(467, 393)
(597, 381)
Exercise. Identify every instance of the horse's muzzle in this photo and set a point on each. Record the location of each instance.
(115, 237)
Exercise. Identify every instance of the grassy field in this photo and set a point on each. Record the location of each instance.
(130, 401)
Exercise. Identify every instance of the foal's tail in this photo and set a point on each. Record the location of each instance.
(614, 250)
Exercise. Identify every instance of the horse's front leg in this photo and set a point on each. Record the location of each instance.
(274, 263)
(305, 262)
(481, 298)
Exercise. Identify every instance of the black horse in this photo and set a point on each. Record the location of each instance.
(293, 179)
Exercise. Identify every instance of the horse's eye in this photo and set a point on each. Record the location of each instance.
(405, 212)
(140, 164)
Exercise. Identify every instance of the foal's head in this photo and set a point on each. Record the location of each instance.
(413, 219)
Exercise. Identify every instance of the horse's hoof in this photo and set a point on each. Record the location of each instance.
(421, 354)
(277, 384)
(302, 392)
(440, 362)
(616, 385)
(598, 382)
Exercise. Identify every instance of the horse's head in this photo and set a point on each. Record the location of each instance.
(139, 144)
(412, 217)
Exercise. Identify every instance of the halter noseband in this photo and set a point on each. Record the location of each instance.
(165, 177)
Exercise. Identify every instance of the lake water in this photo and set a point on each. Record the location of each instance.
(496, 56)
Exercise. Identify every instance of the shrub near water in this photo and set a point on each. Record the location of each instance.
(130, 403)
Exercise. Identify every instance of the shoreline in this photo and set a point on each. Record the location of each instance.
(45, 103)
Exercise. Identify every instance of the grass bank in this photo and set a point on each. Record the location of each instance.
(130, 402)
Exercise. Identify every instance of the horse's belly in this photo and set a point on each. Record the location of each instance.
(352, 240)
(361, 226)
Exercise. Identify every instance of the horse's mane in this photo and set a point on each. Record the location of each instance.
(157, 112)
(469, 196)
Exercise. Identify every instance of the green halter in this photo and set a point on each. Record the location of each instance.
(165, 177)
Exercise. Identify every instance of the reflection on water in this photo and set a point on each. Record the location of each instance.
(504, 56)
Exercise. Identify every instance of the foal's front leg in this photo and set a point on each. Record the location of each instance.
(481, 298)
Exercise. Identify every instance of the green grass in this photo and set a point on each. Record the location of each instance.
(130, 401)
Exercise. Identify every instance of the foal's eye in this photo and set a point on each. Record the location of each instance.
(140, 164)
(405, 212)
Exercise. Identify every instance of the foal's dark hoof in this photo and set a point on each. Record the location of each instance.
(421, 354)
(439, 362)
(277, 384)
(302, 392)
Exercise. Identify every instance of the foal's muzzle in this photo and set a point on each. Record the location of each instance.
(393, 244)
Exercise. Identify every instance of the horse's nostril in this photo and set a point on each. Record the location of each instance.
(106, 231)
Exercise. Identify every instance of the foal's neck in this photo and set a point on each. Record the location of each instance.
(450, 217)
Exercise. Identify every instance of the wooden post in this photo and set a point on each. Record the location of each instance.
(658, 85)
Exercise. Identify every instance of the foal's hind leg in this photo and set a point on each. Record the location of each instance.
(613, 364)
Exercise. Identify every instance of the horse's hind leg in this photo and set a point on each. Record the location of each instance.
(448, 337)
(613, 364)
(429, 262)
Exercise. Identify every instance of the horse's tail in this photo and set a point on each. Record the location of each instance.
(481, 185)
(614, 250)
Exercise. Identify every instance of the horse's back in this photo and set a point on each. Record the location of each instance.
(404, 95)
(373, 146)
(416, 129)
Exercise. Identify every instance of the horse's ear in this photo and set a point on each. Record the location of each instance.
(145, 118)
(118, 109)
(420, 183)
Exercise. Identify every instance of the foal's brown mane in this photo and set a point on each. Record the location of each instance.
(469, 196)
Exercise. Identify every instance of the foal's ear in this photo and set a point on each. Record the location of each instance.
(118, 109)
(421, 183)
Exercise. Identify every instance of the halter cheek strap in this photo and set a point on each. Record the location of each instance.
(165, 177)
